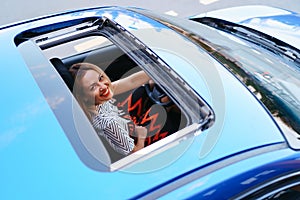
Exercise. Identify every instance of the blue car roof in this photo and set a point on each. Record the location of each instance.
(276, 22)
(38, 161)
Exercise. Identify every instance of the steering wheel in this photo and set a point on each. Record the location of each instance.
(156, 94)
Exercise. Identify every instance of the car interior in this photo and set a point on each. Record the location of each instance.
(162, 112)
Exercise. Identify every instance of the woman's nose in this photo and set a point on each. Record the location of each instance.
(101, 85)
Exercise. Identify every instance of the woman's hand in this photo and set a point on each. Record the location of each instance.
(141, 133)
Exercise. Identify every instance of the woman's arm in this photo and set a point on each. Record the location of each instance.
(131, 82)
(117, 137)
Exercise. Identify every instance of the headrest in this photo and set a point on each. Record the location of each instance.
(63, 71)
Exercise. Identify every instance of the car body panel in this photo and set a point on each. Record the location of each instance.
(276, 22)
(38, 161)
(249, 172)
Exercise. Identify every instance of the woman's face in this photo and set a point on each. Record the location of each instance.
(97, 87)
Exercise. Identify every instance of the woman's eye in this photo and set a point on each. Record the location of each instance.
(92, 88)
(100, 78)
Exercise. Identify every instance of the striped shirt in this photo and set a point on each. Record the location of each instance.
(113, 128)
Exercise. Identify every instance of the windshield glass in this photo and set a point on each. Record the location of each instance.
(272, 77)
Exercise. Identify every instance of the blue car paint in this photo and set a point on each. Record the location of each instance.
(247, 173)
(276, 22)
(37, 160)
(288, 33)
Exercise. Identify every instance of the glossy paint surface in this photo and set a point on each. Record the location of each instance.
(38, 161)
(248, 173)
(279, 23)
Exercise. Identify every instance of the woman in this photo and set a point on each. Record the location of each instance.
(94, 91)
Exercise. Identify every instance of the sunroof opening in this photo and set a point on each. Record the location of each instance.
(121, 116)
(120, 103)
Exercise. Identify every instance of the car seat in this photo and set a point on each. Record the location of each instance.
(63, 71)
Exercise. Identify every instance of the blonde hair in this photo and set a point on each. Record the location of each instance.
(78, 71)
